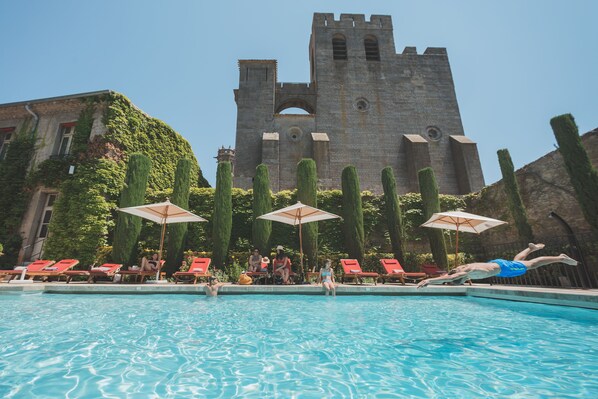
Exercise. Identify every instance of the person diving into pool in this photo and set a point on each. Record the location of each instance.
(499, 267)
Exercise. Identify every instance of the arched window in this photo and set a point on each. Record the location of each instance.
(372, 52)
(339, 47)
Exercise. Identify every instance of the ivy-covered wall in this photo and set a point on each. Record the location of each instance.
(86, 204)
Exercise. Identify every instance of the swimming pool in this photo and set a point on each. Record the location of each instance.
(257, 346)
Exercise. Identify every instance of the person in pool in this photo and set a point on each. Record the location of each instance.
(499, 267)
(327, 278)
(211, 288)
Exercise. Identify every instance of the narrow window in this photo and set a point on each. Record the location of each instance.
(6, 135)
(67, 130)
(46, 216)
(372, 52)
(339, 47)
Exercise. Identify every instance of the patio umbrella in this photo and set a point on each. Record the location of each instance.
(297, 215)
(461, 221)
(163, 213)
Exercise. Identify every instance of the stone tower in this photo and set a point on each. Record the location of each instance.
(366, 106)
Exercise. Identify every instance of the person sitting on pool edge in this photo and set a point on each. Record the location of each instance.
(327, 278)
(499, 267)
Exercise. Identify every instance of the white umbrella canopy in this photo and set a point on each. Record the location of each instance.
(461, 221)
(297, 215)
(163, 213)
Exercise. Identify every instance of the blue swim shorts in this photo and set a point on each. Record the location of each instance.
(509, 268)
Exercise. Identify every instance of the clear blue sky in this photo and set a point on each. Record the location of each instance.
(515, 63)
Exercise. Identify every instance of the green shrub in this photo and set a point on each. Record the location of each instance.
(307, 181)
(392, 208)
(128, 227)
(353, 214)
(262, 204)
(431, 205)
(583, 176)
(515, 202)
(177, 232)
(222, 218)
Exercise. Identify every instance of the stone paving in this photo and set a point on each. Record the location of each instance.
(552, 296)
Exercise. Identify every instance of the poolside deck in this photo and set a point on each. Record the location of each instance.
(551, 296)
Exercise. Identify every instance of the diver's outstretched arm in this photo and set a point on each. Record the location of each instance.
(442, 279)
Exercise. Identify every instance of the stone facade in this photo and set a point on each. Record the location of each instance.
(366, 106)
(544, 186)
(50, 117)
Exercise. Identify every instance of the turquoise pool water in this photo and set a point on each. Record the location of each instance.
(161, 346)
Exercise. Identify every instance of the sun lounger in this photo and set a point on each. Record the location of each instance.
(395, 271)
(56, 270)
(137, 274)
(197, 270)
(432, 270)
(352, 271)
(108, 270)
(38, 265)
(260, 276)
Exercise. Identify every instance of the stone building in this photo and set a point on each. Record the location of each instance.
(366, 105)
(105, 127)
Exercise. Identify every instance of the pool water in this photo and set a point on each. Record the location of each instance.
(187, 346)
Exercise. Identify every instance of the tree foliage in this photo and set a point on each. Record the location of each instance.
(431, 204)
(128, 227)
(307, 193)
(223, 215)
(582, 174)
(177, 232)
(394, 219)
(514, 200)
(262, 204)
(353, 214)
(13, 192)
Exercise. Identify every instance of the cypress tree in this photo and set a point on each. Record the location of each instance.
(429, 191)
(222, 219)
(262, 204)
(394, 219)
(128, 226)
(515, 202)
(177, 232)
(307, 186)
(353, 214)
(583, 176)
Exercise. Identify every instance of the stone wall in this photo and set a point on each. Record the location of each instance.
(545, 186)
(365, 106)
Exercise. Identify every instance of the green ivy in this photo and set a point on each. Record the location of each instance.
(14, 193)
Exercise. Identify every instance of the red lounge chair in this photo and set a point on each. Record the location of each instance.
(55, 270)
(432, 270)
(138, 274)
(197, 270)
(108, 270)
(394, 270)
(258, 276)
(352, 270)
(36, 266)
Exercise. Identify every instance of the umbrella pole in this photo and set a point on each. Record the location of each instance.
(457, 246)
(160, 252)
(301, 250)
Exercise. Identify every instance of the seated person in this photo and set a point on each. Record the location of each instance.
(149, 265)
(264, 264)
(327, 278)
(282, 266)
(255, 261)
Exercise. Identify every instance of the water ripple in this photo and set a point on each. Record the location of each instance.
(58, 346)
